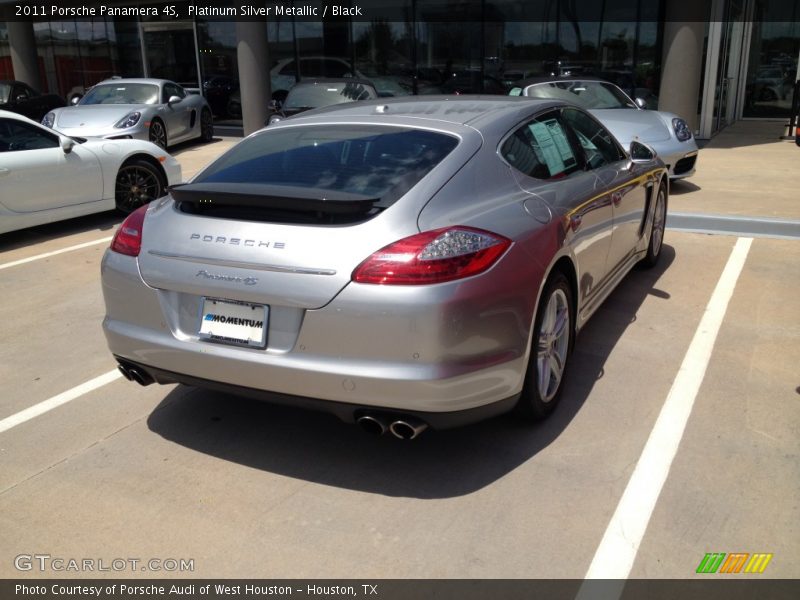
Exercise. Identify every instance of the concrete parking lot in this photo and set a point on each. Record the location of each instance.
(245, 489)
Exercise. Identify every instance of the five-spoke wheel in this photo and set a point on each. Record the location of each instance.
(551, 345)
(158, 134)
(657, 230)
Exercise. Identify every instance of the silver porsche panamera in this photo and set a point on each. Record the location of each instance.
(401, 264)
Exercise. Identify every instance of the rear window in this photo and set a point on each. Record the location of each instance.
(371, 161)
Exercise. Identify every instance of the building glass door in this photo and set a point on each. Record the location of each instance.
(728, 66)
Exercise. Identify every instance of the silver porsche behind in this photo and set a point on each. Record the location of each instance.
(401, 264)
(155, 110)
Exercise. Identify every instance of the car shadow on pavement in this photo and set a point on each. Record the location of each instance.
(318, 448)
(680, 187)
(100, 222)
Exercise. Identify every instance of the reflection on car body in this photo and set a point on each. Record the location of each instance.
(439, 256)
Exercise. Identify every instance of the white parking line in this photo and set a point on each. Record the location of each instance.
(56, 401)
(617, 551)
(22, 261)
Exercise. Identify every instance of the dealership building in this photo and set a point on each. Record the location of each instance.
(712, 62)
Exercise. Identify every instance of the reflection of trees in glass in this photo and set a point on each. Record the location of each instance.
(376, 44)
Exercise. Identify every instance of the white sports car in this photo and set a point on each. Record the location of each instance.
(46, 176)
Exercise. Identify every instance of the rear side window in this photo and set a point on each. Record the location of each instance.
(597, 143)
(541, 149)
(373, 161)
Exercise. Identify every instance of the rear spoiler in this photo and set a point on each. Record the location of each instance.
(273, 202)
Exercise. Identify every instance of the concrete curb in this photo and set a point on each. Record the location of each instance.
(734, 225)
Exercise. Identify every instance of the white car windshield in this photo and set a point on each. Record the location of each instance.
(326, 94)
(586, 94)
(121, 93)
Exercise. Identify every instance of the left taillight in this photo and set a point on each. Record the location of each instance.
(433, 257)
(128, 238)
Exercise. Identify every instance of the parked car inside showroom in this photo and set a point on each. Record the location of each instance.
(156, 110)
(403, 263)
(309, 94)
(21, 98)
(46, 176)
(667, 133)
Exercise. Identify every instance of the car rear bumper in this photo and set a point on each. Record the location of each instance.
(347, 412)
(434, 359)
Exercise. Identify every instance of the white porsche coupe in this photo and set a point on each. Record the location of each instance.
(46, 176)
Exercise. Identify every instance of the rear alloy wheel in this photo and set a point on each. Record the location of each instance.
(206, 126)
(657, 230)
(138, 182)
(158, 134)
(551, 346)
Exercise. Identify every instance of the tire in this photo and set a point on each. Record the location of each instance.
(158, 134)
(138, 182)
(206, 126)
(550, 349)
(656, 242)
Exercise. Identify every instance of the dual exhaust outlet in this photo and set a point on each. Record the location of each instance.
(132, 373)
(401, 427)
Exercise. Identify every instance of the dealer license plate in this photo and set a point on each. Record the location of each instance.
(237, 323)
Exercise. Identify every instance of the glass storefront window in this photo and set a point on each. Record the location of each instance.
(74, 55)
(772, 67)
(6, 72)
(220, 68)
(383, 54)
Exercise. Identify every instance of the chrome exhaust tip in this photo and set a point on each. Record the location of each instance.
(407, 428)
(372, 424)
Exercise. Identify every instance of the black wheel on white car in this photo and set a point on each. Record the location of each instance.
(657, 230)
(138, 182)
(550, 350)
(206, 126)
(158, 134)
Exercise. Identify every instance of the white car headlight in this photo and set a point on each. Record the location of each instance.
(129, 120)
(682, 131)
(49, 119)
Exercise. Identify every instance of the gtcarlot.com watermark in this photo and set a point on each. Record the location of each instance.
(44, 563)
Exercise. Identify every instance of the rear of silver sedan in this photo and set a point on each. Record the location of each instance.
(293, 269)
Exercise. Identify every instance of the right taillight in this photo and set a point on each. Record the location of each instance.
(128, 238)
(433, 257)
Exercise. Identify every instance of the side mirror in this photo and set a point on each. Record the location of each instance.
(641, 153)
(66, 143)
(19, 98)
(641, 102)
(75, 99)
(173, 100)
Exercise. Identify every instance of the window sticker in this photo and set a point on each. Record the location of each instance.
(555, 148)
